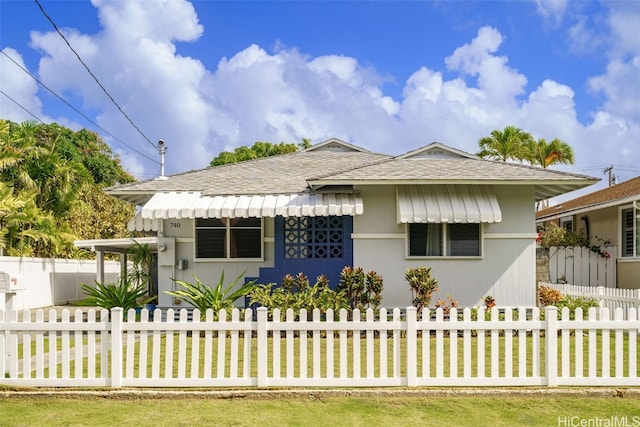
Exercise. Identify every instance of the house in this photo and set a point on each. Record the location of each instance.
(611, 214)
(336, 204)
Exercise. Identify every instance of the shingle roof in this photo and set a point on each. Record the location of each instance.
(283, 174)
(619, 192)
(293, 173)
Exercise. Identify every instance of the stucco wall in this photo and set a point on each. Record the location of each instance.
(628, 274)
(603, 225)
(506, 270)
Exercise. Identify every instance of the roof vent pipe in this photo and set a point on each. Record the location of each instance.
(162, 149)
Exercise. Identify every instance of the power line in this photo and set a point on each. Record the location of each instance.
(74, 109)
(92, 75)
(21, 106)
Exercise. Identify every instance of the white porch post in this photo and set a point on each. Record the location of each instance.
(123, 266)
(100, 267)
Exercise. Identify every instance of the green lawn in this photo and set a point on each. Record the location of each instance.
(446, 344)
(308, 410)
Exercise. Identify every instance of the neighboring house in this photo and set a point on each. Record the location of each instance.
(612, 215)
(335, 204)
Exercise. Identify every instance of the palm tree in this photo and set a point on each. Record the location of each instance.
(545, 154)
(508, 144)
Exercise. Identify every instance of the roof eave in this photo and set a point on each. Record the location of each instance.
(138, 198)
(589, 208)
(543, 189)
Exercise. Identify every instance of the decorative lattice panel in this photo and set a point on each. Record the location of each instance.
(313, 237)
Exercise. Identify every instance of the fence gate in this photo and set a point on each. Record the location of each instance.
(580, 266)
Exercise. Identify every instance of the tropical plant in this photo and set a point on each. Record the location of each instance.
(120, 294)
(548, 296)
(139, 271)
(544, 154)
(297, 293)
(53, 171)
(362, 290)
(509, 144)
(489, 302)
(422, 285)
(218, 297)
(446, 306)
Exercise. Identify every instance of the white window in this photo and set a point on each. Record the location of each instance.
(567, 223)
(630, 238)
(228, 238)
(443, 240)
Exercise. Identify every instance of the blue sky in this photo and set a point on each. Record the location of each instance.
(206, 76)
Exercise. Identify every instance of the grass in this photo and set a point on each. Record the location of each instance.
(306, 410)
(133, 352)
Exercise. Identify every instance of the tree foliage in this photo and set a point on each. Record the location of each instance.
(513, 143)
(51, 180)
(545, 154)
(257, 150)
(508, 144)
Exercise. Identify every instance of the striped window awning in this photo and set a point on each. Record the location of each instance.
(447, 203)
(195, 205)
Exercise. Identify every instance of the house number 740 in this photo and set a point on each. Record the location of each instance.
(174, 225)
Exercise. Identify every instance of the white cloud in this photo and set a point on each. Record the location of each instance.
(287, 95)
(18, 86)
(552, 10)
(498, 81)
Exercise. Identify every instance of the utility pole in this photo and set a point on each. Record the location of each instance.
(612, 178)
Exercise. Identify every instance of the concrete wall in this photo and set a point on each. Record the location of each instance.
(506, 269)
(49, 281)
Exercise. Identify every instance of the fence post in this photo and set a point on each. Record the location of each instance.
(262, 362)
(636, 296)
(412, 336)
(551, 347)
(116, 347)
(600, 297)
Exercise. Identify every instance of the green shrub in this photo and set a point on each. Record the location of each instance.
(203, 296)
(422, 285)
(362, 290)
(297, 293)
(574, 302)
(110, 295)
(548, 296)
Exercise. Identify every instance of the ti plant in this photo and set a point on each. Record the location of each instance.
(422, 285)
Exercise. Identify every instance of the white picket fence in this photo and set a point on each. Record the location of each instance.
(513, 348)
(581, 266)
(610, 298)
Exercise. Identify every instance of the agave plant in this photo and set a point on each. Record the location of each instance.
(122, 294)
(218, 297)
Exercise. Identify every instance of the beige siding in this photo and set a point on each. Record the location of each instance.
(506, 271)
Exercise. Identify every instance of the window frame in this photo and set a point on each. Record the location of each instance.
(635, 231)
(444, 230)
(567, 223)
(228, 228)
